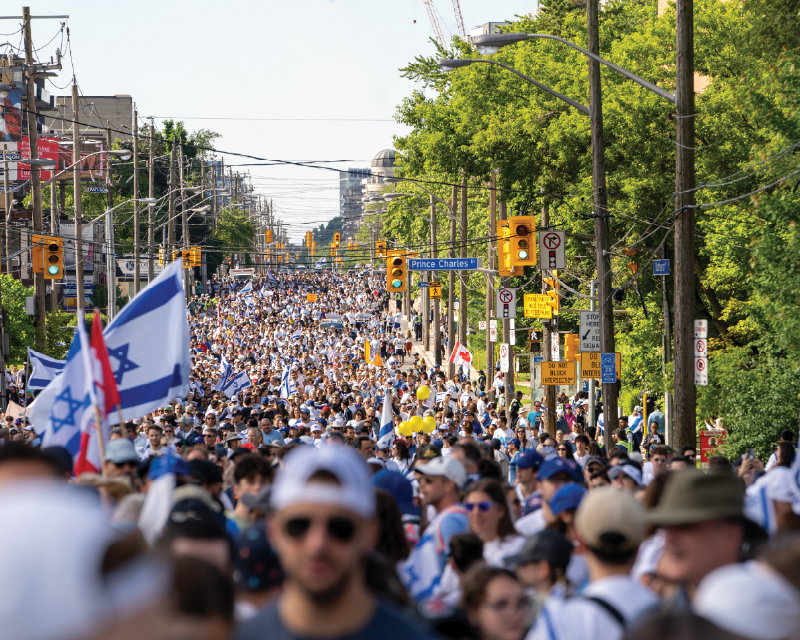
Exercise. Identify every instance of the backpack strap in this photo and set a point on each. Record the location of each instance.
(612, 611)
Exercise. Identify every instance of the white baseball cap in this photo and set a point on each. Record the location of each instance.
(353, 492)
(446, 467)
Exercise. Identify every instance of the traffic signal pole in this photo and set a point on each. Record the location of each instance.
(451, 282)
(489, 277)
(462, 323)
(549, 329)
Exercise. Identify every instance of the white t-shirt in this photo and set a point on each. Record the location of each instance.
(531, 524)
(495, 551)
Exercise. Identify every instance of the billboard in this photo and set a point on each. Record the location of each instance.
(11, 117)
(70, 303)
(93, 168)
(68, 232)
(48, 150)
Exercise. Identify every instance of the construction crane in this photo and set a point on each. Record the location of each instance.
(437, 29)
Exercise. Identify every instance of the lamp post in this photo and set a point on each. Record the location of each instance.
(489, 44)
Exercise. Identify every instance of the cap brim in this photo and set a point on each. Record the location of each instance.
(678, 517)
(518, 559)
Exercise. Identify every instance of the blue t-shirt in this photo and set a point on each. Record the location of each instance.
(273, 436)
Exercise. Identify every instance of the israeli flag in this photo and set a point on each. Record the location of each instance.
(296, 335)
(227, 372)
(248, 288)
(237, 383)
(45, 369)
(288, 387)
(148, 345)
(320, 263)
(386, 434)
(271, 277)
(248, 300)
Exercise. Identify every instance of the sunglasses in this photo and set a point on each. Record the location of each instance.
(339, 528)
(562, 448)
(483, 505)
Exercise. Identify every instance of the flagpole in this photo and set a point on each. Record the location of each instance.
(119, 414)
(98, 425)
(25, 388)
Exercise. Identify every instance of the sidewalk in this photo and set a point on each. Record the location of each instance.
(430, 357)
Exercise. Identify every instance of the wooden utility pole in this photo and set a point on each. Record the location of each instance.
(684, 424)
(489, 278)
(111, 258)
(187, 285)
(451, 282)
(76, 189)
(171, 217)
(549, 330)
(437, 319)
(605, 304)
(136, 240)
(151, 192)
(462, 324)
(36, 181)
(426, 293)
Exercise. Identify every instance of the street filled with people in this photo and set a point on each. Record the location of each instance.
(323, 478)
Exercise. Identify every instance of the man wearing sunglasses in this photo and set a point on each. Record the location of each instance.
(323, 528)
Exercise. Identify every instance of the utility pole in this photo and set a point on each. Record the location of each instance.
(36, 176)
(490, 278)
(151, 232)
(451, 275)
(111, 256)
(685, 392)
(549, 330)
(203, 197)
(76, 189)
(606, 305)
(187, 285)
(136, 240)
(426, 293)
(462, 324)
(53, 232)
(592, 405)
(171, 217)
(508, 378)
(437, 310)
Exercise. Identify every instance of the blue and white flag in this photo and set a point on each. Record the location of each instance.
(248, 300)
(386, 434)
(45, 369)
(320, 263)
(237, 383)
(227, 372)
(296, 335)
(248, 288)
(270, 276)
(158, 502)
(288, 387)
(148, 346)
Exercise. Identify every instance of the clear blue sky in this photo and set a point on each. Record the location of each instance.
(195, 60)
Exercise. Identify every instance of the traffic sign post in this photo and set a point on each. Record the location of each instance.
(536, 306)
(552, 250)
(590, 365)
(507, 303)
(701, 371)
(558, 373)
(590, 331)
(436, 290)
(701, 352)
(481, 325)
(608, 368)
(493, 334)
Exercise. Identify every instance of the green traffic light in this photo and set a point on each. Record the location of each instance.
(522, 255)
(396, 284)
(52, 270)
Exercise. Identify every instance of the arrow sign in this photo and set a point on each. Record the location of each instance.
(552, 250)
(507, 303)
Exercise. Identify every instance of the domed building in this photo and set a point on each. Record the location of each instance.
(382, 167)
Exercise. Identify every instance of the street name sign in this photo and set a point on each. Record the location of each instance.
(444, 264)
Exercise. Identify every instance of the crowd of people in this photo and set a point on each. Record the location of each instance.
(324, 481)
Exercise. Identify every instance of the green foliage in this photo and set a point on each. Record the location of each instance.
(18, 324)
(99, 297)
(235, 232)
(482, 118)
(60, 330)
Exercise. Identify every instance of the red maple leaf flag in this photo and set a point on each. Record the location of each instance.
(460, 354)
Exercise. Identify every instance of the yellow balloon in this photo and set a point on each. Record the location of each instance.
(429, 424)
(423, 392)
(405, 429)
(416, 423)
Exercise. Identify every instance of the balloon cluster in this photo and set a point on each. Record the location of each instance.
(417, 424)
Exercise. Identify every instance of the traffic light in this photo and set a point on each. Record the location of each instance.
(571, 346)
(380, 248)
(160, 256)
(396, 273)
(268, 236)
(555, 285)
(534, 346)
(47, 256)
(522, 236)
(504, 266)
(337, 239)
(196, 257)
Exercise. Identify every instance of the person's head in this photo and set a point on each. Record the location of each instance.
(609, 527)
(466, 549)
(489, 518)
(266, 425)
(251, 473)
(690, 453)
(468, 454)
(593, 465)
(542, 561)
(495, 603)
(785, 454)
(323, 524)
(679, 463)
(365, 446)
(581, 445)
(696, 508)
(658, 456)
(440, 481)
(553, 474)
(255, 437)
(154, 433)
(598, 480)
(626, 475)
(120, 459)
(528, 464)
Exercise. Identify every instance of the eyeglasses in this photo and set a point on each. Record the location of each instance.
(483, 505)
(562, 448)
(339, 528)
(504, 605)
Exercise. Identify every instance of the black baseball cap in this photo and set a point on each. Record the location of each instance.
(547, 546)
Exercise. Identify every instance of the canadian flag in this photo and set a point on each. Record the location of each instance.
(460, 354)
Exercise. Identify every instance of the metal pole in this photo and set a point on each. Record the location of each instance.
(451, 330)
(171, 219)
(187, 285)
(76, 186)
(489, 277)
(462, 324)
(606, 306)
(508, 378)
(111, 257)
(685, 393)
(426, 317)
(592, 411)
(437, 320)
(7, 196)
(136, 240)
(549, 329)
(54, 211)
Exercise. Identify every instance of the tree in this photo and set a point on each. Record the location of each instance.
(18, 324)
(234, 231)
